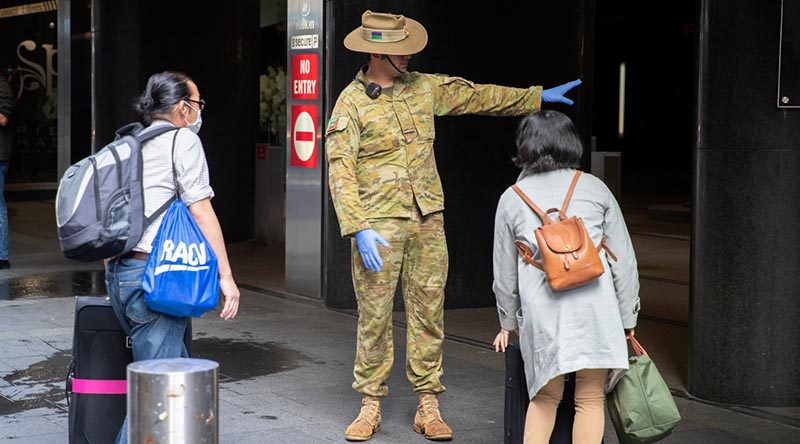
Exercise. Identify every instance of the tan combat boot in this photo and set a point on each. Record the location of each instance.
(428, 419)
(368, 421)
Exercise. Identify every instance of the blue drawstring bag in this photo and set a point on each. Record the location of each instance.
(181, 277)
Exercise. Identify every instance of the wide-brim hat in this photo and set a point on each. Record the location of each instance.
(382, 33)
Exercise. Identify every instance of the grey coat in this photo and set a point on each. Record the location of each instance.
(574, 329)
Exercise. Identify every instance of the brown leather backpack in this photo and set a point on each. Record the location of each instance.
(569, 258)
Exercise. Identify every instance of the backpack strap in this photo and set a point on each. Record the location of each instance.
(569, 193)
(158, 212)
(141, 133)
(153, 131)
(163, 208)
(524, 250)
(542, 215)
(604, 246)
(130, 129)
(174, 171)
(527, 255)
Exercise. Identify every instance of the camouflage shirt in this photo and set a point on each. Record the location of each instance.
(380, 152)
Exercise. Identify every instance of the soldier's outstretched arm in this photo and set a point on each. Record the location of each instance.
(458, 96)
(341, 145)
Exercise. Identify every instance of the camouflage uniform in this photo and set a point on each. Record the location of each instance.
(382, 175)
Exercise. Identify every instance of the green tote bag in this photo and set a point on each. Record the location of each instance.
(641, 405)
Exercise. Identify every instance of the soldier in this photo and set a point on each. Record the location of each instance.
(386, 191)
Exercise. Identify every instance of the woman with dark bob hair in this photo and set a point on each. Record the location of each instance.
(170, 99)
(582, 329)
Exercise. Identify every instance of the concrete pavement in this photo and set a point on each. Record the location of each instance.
(286, 361)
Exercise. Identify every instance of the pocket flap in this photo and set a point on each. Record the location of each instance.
(563, 237)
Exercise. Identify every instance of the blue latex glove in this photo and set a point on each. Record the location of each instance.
(367, 241)
(556, 94)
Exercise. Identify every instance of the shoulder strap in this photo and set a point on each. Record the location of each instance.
(163, 208)
(148, 133)
(130, 129)
(542, 215)
(174, 171)
(569, 193)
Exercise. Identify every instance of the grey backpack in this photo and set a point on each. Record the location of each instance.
(100, 200)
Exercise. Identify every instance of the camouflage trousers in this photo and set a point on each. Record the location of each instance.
(419, 249)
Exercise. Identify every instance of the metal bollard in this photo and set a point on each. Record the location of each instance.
(173, 401)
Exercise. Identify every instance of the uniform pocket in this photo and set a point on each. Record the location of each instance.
(380, 131)
(427, 132)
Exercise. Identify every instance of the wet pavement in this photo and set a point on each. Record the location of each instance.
(239, 360)
(285, 375)
(39, 386)
(53, 285)
(42, 384)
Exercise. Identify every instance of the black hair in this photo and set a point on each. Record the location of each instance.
(547, 141)
(162, 92)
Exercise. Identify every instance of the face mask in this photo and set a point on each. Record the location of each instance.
(195, 127)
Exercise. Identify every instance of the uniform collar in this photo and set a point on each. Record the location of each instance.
(399, 82)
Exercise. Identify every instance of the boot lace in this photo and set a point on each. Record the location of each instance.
(369, 410)
(430, 407)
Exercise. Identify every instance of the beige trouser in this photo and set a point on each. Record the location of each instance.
(589, 414)
(419, 249)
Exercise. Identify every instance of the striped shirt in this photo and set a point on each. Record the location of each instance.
(157, 178)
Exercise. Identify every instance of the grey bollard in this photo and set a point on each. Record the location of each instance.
(173, 401)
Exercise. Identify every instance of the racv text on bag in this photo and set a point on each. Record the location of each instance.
(100, 200)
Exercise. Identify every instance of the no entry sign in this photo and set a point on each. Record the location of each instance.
(305, 76)
(304, 136)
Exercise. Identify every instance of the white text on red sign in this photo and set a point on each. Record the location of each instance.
(305, 86)
(305, 76)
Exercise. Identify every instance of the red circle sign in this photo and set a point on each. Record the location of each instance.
(304, 136)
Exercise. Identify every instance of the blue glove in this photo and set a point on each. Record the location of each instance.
(367, 246)
(556, 94)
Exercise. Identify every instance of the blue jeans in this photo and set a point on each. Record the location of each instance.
(3, 211)
(154, 335)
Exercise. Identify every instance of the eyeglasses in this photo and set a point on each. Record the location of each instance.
(200, 103)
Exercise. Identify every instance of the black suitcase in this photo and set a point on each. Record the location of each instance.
(100, 351)
(516, 402)
(516, 396)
